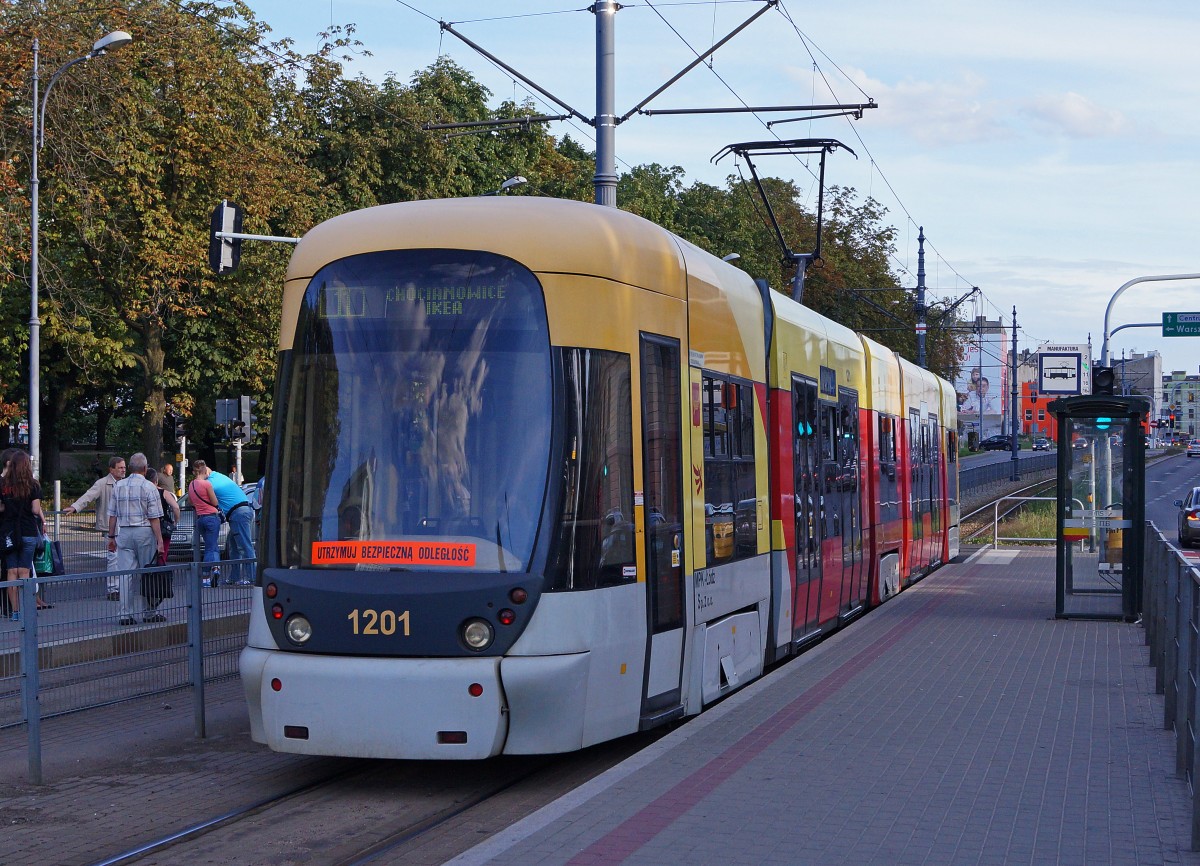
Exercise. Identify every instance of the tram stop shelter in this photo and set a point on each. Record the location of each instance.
(1100, 506)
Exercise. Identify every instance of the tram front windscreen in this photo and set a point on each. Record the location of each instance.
(416, 415)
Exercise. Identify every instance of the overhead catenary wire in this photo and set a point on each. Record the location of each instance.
(810, 46)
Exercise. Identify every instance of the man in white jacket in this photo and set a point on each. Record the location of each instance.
(100, 493)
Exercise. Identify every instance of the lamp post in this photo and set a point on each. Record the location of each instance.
(106, 43)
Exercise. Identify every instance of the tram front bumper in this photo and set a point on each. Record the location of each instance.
(376, 707)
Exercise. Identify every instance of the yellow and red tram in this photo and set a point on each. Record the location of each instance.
(544, 474)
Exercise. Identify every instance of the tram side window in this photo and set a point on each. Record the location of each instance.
(887, 439)
(594, 544)
(951, 447)
(730, 509)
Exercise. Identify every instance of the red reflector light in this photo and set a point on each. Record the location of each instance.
(277, 611)
(272, 590)
(506, 617)
(518, 596)
(276, 684)
(475, 690)
(295, 732)
(452, 737)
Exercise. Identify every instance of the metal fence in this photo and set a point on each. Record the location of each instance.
(980, 476)
(996, 516)
(71, 648)
(1171, 616)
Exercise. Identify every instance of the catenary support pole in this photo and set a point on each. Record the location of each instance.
(920, 305)
(606, 122)
(1013, 404)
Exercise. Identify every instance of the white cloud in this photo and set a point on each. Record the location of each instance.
(1076, 116)
(935, 112)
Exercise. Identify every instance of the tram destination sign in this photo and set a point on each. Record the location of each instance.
(1181, 324)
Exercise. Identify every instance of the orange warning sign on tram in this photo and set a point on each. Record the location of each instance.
(393, 553)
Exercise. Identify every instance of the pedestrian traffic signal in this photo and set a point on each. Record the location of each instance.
(1104, 380)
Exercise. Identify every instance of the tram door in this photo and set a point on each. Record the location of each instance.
(935, 490)
(662, 474)
(853, 586)
(919, 492)
(806, 463)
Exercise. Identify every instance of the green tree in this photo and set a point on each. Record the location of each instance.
(126, 204)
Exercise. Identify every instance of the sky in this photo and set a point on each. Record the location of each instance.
(1049, 149)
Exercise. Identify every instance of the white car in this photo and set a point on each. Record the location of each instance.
(1193, 449)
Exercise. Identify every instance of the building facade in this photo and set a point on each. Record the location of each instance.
(1180, 400)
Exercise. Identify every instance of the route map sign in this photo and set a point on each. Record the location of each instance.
(1181, 324)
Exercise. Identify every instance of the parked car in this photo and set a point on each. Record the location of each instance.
(996, 443)
(1041, 444)
(181, 538)
(1193, 449)
(1189, 518)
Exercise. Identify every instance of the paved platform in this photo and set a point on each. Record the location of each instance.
(958, 724)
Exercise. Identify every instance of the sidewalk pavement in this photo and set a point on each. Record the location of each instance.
(958, 724)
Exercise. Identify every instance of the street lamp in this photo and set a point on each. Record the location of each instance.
(106, 43)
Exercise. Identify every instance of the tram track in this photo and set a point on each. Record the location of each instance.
(382, 811)
(979, 521)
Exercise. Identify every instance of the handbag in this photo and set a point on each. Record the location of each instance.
(43, 557)
(56, 558)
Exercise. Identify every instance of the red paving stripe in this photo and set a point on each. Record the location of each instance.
(640, 828)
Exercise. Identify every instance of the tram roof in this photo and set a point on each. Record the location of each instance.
(543, 234)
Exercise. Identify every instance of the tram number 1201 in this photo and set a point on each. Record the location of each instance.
(375, 622)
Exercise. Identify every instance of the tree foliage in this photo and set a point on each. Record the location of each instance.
(142, 144)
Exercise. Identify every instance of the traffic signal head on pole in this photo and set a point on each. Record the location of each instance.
(243, 424)
(224, 254)
(1104, 381)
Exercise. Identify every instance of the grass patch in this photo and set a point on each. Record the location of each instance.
(1033, 520)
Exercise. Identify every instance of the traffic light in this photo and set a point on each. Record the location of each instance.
(1104, 381)
(243, 424)
(1171, 418)
(224, 254)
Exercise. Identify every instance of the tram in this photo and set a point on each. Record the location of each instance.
(544, 474)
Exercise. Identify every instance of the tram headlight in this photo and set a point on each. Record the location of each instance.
(298, 628)
(477, 634)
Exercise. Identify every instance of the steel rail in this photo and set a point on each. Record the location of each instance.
(197, 830)
(991, 505)
(414, 831)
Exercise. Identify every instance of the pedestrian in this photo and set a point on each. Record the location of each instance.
(136, 510)
(170, 506)
(101, 493)
(167, 473)
(159, 585)
(21, 521)
(207, 521)
(5, 459)
(235, 505)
